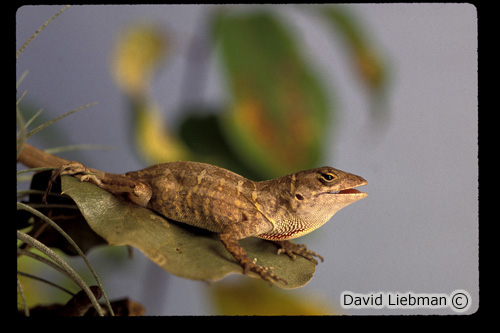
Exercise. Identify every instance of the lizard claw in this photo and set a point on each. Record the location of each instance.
(291, 249)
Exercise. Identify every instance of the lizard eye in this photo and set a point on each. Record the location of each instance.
(328, 177)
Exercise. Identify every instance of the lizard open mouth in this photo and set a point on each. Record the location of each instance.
(347, 191)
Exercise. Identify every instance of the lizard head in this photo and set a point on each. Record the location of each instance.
(328, 184)
(313, 197)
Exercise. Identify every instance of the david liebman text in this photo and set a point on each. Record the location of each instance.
(393, 300)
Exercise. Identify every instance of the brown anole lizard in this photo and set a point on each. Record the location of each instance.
(221, 201)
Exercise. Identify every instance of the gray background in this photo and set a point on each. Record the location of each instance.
(418, 228)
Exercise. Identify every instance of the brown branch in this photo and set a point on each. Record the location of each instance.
(35, 158)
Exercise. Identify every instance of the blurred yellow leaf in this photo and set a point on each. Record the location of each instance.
(155, 143)
(251, 298)
(137, 52)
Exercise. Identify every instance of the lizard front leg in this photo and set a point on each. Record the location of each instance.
(136, 191)
(229, 238)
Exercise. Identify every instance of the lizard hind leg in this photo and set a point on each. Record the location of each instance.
(135, 191)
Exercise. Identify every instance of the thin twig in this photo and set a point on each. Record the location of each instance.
(23, 297)
(32, 119)
(46, 282)
(54, 256)
(44, 261)
(18, 53)
(50, 122)
(35, 170)
(22, 131)
(61, 149)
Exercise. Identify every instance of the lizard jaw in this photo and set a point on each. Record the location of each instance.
(350, 194)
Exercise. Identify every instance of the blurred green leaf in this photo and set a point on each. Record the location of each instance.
(278, 115)
(201, 132)
(179, 249)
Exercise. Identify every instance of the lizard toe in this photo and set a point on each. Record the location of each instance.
(266, 273)
(292, 249)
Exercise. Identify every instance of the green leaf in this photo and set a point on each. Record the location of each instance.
(279, 112)
(179, 249)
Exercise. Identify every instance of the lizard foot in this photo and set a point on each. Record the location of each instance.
(231, 244)
(266, 273)
(291, 249)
